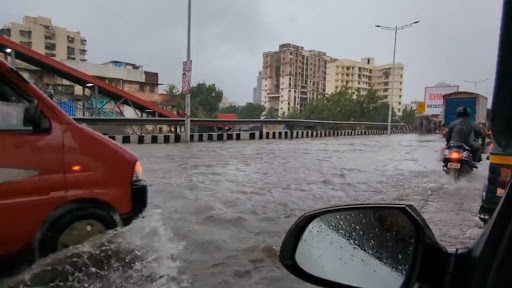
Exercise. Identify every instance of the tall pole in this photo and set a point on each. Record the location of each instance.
(187, 97)
(476, 82)
(390, 113)
(394, 29)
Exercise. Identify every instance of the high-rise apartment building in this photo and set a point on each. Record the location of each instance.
(39, 34)
(363, 75)
(292, 77)
(256, 91)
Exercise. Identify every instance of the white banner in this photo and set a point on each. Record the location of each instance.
(434, 98)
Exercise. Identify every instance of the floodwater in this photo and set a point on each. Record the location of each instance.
(218, 211)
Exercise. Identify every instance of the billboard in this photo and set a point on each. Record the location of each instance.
(187, 77)
(434, 98)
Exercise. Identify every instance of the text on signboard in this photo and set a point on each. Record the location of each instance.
(435, 97)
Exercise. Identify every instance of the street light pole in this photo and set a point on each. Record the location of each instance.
(476, 82)
(187, 97)
(395, 29)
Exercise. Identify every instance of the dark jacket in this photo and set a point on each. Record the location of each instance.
(463, 130)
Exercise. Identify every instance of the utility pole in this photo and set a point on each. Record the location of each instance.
(187, 97)
(395, 29)
(476, 82)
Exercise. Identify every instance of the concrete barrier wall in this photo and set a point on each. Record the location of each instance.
(239, 136)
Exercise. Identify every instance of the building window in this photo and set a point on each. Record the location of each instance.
(152, 88)
(27, 34)
(142, 87)
(50, 46)
(26, 44)
(5, 32)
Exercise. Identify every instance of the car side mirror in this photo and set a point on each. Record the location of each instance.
(34, 117)
(358, 246)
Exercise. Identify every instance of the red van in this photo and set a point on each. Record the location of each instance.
(60, 182)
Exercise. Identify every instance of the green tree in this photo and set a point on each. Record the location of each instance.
(346, 105)
(409, 116)
(294, 114)
(271, 113)
(171, 90)
(251, 111)
(231, 109)
(204, 100)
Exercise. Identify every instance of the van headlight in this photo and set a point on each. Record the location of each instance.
(137, 171)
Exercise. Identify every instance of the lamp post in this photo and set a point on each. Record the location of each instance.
(394, 29)
(476, 82)
(187, 96)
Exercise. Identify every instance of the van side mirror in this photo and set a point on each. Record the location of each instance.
(358, 246)
(34, 117)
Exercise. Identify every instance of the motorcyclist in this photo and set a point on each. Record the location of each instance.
(465, 131)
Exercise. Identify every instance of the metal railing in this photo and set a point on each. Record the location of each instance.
(224, 122)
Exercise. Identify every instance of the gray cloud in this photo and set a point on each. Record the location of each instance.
(455, 41)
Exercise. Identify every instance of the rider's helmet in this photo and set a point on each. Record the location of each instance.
(462, 112)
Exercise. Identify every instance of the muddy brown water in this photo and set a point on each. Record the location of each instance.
(218, 211)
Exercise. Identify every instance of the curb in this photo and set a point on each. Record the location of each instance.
(239, 136)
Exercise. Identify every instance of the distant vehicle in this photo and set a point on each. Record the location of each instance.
(476, 103)
(60, 182)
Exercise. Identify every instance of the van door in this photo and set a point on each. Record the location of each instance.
(31, 168)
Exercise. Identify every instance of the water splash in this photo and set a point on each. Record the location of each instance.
(141, 255)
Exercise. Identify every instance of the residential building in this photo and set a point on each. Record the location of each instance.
(126, 76)
(256, 91)
(364, 75)
(292, 77)
(42, 36)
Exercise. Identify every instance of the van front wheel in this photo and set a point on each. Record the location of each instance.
(74, 227)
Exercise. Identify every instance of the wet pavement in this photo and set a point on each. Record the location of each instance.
(218, 211)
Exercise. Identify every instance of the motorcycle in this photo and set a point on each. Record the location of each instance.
(457, 160)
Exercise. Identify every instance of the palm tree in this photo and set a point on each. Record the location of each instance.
(171, 90)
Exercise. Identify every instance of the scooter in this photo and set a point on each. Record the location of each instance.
(457, 160)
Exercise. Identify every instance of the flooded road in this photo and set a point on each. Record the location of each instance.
(218, 211)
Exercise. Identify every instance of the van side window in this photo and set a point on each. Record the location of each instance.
(12, 109)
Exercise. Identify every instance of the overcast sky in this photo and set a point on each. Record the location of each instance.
(456, 40)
